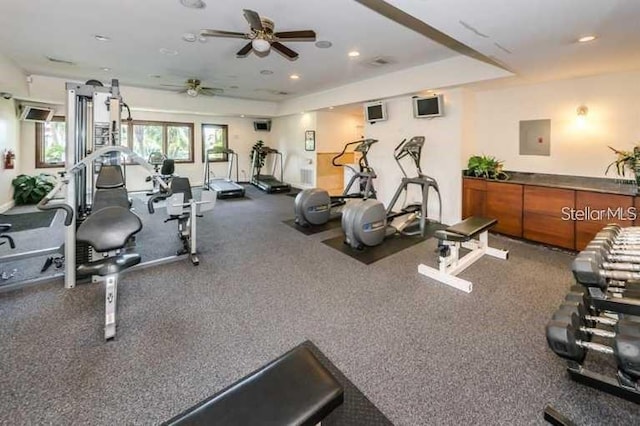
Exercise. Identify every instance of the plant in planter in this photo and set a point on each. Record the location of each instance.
(31, 189)
(486, 166)
(626, 160)
(261, 156)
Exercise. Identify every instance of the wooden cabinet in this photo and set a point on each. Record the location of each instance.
(546, 216)
(594, 210)
(504, 202)
(474, 197)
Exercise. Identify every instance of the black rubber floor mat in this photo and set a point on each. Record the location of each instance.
(357, 409)
(25, 221)
(391, 245)
(332, 224)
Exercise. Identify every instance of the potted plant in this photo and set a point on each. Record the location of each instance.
(261, 155)
(486, 166)
(626, 160)
(31, 189)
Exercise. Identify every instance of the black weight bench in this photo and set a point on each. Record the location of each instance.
(472, 234)
(294, 389)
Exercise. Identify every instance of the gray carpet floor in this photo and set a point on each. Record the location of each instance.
(423, 352)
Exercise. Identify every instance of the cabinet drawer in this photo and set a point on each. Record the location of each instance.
(548, 201)
(548, 230)
(504, 203)
(479, 184)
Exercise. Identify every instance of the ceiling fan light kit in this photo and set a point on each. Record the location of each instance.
(262, 38)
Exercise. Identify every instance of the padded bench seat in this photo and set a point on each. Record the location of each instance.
(465, 230)
(295, 389)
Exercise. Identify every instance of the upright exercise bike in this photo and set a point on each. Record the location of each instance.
(316, 207)
(369, 223)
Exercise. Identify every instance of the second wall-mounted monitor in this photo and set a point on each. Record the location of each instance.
(262, 126)
(375, 111)
(428, 107)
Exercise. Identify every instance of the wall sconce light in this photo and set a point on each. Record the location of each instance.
(582, 111)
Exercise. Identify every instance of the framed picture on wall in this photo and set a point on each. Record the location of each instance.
(310, 140)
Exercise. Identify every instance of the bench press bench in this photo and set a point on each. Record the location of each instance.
(294, 389)
(472, 234)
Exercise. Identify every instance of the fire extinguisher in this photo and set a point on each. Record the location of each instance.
(9, 156)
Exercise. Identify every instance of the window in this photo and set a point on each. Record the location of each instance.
(215, 138)
(50, 143)
(175, 140)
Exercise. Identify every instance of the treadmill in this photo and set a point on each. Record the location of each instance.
(268, 183)
(225, 187)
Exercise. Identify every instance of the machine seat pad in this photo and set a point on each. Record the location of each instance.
(294, 389)
(110, 197)
(109, 228)
(110, 177)
(109, 265)
(445, 235)
(472, 226)
(4, 227)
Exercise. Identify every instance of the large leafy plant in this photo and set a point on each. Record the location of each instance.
(486, 166)
(31, 189)
(257, 147)
(626, 160)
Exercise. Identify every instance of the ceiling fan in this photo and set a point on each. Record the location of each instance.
(262, 36)
(193, 87)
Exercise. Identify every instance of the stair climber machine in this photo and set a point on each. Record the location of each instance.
(315, 207)
(368, 223)
(268, 183)
(224, 187)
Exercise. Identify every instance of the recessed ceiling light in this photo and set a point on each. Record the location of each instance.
(586, 39)
(354, 54)
(168, 52)
(193, 4)
(330, 107)
(102, 38)
(266, 72)
(106, 69)
(190, 37)
(241, 115)
(233, 87)
(294, 76)
(323, 44)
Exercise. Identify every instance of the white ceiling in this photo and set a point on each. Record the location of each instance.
(32, 30)
(538, 34)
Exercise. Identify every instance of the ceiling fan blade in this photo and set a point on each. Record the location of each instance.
(284, 50)
(305, 35)
(217, 33)
(210, 91)
(242, 53)
(172, 85)
(253, 19)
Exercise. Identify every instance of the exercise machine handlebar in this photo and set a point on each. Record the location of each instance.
(363, 147)
(44, 203)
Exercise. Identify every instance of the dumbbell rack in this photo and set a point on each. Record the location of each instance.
(608, 274)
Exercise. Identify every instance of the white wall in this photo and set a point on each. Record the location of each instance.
(613, 119)
(12, 78)
(441, 155)
(446, 73)
(288, 138)
(9, 134)
(241, 139)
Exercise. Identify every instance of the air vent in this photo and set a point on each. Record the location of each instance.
(60, 61)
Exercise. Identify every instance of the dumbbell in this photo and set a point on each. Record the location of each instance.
(619, 235)
(614, 252)
(591, 270)
(566, 338)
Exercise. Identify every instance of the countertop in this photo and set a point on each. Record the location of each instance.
(582, 183)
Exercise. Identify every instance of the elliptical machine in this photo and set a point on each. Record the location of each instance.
(315, 206)
(368, 223)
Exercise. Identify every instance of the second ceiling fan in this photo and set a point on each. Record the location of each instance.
(262, 36)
